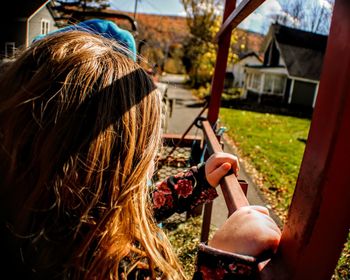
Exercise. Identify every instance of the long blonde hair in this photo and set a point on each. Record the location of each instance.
(80, 127)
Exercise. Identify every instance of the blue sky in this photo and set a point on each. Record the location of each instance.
(166, 7)
(259, 21)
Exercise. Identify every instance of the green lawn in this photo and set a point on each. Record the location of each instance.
(273, 145)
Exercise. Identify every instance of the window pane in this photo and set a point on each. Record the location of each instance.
(9, 49)
(256, 81)
(45, 25)
(268, 83)
(279, 84)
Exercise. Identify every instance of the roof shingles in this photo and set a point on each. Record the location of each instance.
(302, 51)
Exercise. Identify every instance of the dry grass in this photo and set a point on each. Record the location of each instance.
(185, 238)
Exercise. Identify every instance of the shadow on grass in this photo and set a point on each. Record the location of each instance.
(275, 108)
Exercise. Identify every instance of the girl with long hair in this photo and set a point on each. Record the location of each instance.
(80, 127)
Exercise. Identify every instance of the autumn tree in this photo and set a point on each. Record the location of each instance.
(198, 47)
(204, 22)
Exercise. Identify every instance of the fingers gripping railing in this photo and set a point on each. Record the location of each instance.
(231, 188)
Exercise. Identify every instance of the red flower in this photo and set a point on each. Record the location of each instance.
(163, 187)
(183, 188)
(158, 199)
(232, 267)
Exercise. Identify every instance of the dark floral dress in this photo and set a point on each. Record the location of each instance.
(181, 193)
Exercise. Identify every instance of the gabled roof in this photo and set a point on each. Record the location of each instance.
(247, 54)
(22, 8)
(301, 51)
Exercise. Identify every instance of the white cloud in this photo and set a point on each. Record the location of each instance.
(182, 14)
(325, 4)
(260, 20)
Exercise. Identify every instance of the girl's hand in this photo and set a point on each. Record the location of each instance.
(248, 231)
(218, 165)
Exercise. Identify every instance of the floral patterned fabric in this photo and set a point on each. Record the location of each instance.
(181, 193)
(216, 264)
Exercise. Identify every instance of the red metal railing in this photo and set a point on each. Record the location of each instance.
(318, 220)
(234, 192)
(231, 18)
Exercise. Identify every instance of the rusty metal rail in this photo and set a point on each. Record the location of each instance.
(232, 190)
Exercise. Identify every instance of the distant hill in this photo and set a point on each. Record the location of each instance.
(167, 30)
(162, 36)
(252, 41)
(161, 31)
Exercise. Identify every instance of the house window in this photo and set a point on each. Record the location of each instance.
(256, 81)
(249, 77)
(268, 85)
(274, 84)
(45, 26)
(9, 49)
(279, 82)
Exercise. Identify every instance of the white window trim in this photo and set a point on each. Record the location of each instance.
(13, 45)
(274, 82)
(45, 24)
(291, 91)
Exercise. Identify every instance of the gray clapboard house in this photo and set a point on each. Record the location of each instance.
(291, 69)
(21, 22)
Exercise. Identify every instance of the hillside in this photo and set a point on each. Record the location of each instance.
(160, 39)
(156, 31)
(168, 30)
(165, 30)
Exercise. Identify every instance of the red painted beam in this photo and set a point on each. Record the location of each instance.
(231, 188)
(319, 217)
(231, 18)
(234, 191)
(244, 9)
(217, 84)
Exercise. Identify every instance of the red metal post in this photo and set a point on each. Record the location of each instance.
(208, 208)
(319, 217)
(217, 85)
(232, 17)
(245, 8)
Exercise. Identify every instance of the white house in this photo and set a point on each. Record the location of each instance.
(21, 22)
(238, 68)
(291, 69)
